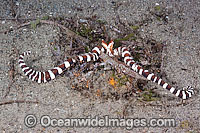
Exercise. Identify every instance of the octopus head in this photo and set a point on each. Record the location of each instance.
(108, 47)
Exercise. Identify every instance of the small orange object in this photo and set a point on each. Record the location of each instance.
(112, 82)
(73, 87)
(98, 93)
(76, 74)
(87, 84)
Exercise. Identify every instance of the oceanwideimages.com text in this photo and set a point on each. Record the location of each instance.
(105, 121)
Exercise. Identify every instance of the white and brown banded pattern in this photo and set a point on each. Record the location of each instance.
(185, 93)
(43, 77)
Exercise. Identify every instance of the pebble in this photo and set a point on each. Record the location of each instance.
(3, 22)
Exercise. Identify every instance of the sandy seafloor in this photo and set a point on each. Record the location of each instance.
(181, 62)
